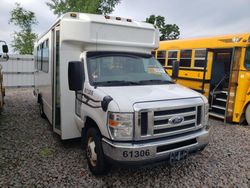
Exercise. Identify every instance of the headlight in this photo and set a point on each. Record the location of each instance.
(121, 125)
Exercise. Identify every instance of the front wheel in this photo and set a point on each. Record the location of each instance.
(94, 152)
(247, 114)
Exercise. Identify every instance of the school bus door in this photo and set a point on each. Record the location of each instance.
(233, 83)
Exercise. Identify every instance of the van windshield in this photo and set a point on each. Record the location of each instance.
(119, 69)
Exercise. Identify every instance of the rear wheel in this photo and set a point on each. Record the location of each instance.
(42, 114)
(247, 114)
(94, 152)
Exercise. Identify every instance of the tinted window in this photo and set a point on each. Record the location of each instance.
(45, 56)
(185, 58)
(247, 58)
(199, 58)
(42, 56)
(161, 57)
(113, 67)
(172, 56)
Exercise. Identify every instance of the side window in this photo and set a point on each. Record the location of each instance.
(172, 56)
(39, 58)
(161, 57)
(36, 58)
(45, 56)
(185, 58)
(200, 58)
(247, 58)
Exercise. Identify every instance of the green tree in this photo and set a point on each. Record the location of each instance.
(167, 31)
(24, 39)
(60, 7)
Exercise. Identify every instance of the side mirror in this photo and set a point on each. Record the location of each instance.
(5, 48)
(175, 69)
(75, 75)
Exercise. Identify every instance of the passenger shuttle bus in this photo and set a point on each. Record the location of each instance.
(218, 67)
(3, 57)
(96, 79)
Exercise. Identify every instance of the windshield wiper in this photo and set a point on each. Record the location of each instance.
(116, 83)
(157, 81)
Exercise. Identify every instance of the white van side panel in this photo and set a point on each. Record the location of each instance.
(69, 52)
(43, 80)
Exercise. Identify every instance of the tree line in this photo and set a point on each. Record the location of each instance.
(25, 20)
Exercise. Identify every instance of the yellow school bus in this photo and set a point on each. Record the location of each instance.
(218, 67)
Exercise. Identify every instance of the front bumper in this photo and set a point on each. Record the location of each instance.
(154, 150)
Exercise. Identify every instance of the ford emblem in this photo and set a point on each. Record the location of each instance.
(176, 120)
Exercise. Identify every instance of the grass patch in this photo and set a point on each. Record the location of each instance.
(46, 152)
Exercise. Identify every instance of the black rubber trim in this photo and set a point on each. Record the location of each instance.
(194, 79)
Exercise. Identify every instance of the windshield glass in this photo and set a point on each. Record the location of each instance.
(116, 68)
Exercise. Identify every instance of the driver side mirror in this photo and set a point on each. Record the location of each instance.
(175, 69)
(5, 48)
(75, 75)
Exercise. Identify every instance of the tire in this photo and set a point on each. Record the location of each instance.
(247, 114)
(42, 114)
(94, 153)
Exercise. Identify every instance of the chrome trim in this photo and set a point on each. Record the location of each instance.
(163, 126)
(177, 104)
(157, 118)
(114, 150)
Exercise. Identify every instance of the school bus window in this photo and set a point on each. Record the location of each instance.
(247, 58)
(185, 58)
(161, 57)
(153, 53)
(172, 56)
(199, 58)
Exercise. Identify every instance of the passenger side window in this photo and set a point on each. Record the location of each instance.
(45, 56)
(42, 57)
(185, 58)
(200, 58)
(161, 57)
(172, 56)
(39, 58)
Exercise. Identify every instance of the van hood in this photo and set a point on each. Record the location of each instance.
(127, 96)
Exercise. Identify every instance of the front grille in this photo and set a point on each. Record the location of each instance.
(170, 121)
(170, 129)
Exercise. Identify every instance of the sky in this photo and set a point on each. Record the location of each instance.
(195, 18)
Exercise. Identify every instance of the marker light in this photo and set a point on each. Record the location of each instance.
(73, 15)
(235, 39)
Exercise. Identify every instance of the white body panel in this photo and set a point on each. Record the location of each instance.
(87, 32)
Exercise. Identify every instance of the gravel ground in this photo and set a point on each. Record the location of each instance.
(31, 155)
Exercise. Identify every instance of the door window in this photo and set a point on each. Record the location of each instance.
(247, 58)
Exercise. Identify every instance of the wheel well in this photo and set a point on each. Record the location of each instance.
(39, 98)
(243, 116)
(88, 124)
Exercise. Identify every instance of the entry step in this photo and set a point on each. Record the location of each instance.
(216, 115)
(221, 99)
(218, 107)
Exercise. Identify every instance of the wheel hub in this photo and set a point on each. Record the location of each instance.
(91, 154)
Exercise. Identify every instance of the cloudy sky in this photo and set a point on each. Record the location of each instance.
(194, 17)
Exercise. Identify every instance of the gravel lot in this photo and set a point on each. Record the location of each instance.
(31, 155)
